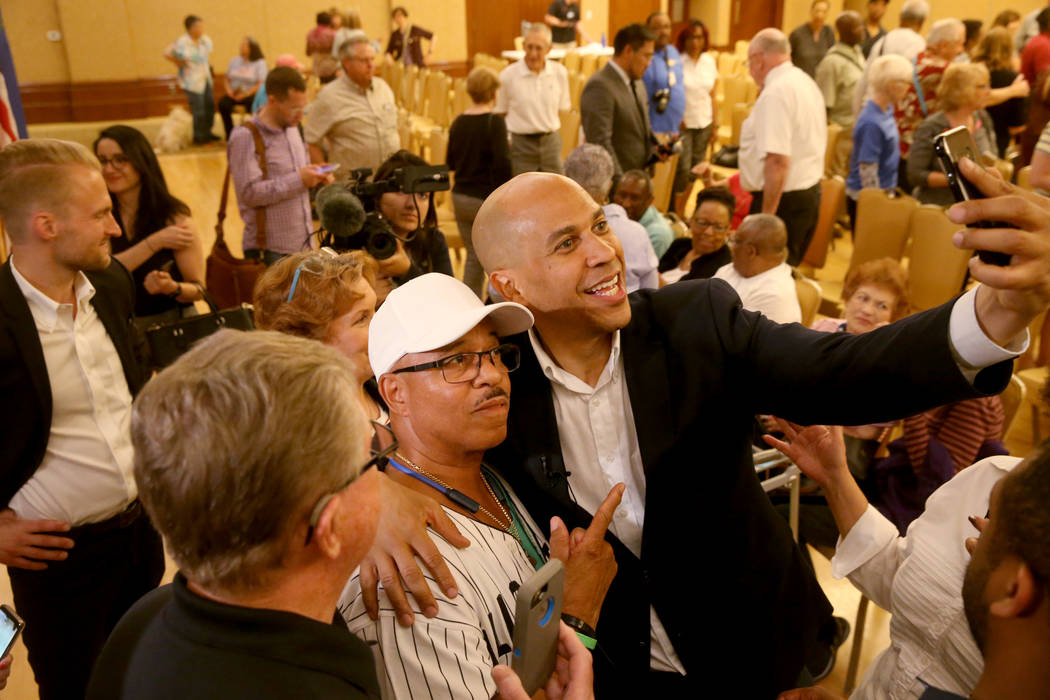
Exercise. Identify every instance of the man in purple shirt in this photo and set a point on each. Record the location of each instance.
(277, 201)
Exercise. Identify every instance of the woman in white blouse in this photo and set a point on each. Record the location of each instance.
(700, 121)
(918, 577)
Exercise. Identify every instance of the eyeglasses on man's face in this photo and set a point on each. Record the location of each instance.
(384, 444)
(465, 366)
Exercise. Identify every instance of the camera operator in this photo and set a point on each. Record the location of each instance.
(390, 217)
(413, 219)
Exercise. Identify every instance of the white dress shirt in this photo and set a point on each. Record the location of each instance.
(771, 292)
(918, 578)
(789, 119)
(599, 441)
(86, 474)
(599, 445)
(638, 253)
(531, 100)
(700, 77)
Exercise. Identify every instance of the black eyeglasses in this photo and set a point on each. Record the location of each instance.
(465, 366)
(380, 457)
(118, 161)
(702, 224)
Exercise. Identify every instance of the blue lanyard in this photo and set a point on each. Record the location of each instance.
(458, 497)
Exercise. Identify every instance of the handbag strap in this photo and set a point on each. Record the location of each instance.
(207, 297)
(222, 206)
(260, 212)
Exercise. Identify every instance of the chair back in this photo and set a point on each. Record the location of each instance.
(734, 92)
(882, 226)
(576, 83)
(832, 195)
(438, 146)
(519, 43)
(1012, 398)
(736, 121)
(809, 294)
(834, 132)
(570, 131)
(437, 101)
(588, 64)
(460, 97)
(663, 182)
(602, 60)
(408, 88)
(571, 61)
(936, 268)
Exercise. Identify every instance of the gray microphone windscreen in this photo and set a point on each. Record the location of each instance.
(341, 212)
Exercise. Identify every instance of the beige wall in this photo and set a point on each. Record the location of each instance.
(124, 39)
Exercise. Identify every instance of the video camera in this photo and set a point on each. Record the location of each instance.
(348, 210)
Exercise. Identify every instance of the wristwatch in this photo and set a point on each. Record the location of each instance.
(178, 291)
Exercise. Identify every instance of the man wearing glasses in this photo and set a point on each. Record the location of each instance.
(445, 376)
(272, 174)
(354, 117)
(254, 465)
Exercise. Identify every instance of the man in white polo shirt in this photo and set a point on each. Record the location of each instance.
(531, 92)
(782, 142)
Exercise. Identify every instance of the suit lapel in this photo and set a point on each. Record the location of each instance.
(118, 326)
(25, 334)
(645, 366)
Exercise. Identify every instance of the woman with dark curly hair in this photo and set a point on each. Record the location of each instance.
(160, 246)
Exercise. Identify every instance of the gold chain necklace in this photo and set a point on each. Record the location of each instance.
(511, 529)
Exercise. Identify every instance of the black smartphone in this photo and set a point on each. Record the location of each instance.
(10, 627)
(536, 624)
(951, 146)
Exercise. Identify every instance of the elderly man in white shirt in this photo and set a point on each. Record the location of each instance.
(782, 142)
(758, 272)
(531, 92)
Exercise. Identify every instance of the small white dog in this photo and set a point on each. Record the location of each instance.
(176, 133)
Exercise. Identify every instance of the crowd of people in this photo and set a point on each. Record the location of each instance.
(355, 491)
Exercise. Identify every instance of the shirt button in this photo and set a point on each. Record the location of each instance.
(596, 402)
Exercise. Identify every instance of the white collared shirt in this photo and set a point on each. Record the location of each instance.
(86, 474)
(788, 119)
(771, 293)
(531, 100)
(918, 578)
(599, 445)
(599, 440)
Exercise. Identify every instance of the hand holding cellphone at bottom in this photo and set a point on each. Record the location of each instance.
(573, 677)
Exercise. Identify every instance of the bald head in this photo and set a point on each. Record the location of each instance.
(764, 231)
(516, 211)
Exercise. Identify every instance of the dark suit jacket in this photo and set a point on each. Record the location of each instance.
(611, 119)
(718, 563)
(25, 391)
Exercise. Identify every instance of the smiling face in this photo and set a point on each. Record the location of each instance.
(567, 265)
(119, 173)
(869, 307)
(660, 25)
(709, 226)
(471, 415)
(83, 227)
(348, 333)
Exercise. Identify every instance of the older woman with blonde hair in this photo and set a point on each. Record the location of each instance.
(478, 155)
(325, 297)
(961, 96)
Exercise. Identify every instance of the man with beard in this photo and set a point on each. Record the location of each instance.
(78, 548)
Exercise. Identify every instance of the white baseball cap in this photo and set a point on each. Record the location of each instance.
(430, 312)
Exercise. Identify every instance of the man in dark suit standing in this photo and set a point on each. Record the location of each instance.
(659, 391)
(614, 107)
(78, 548)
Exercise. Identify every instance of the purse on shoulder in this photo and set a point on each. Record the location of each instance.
(230, 279)
(167, 342)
